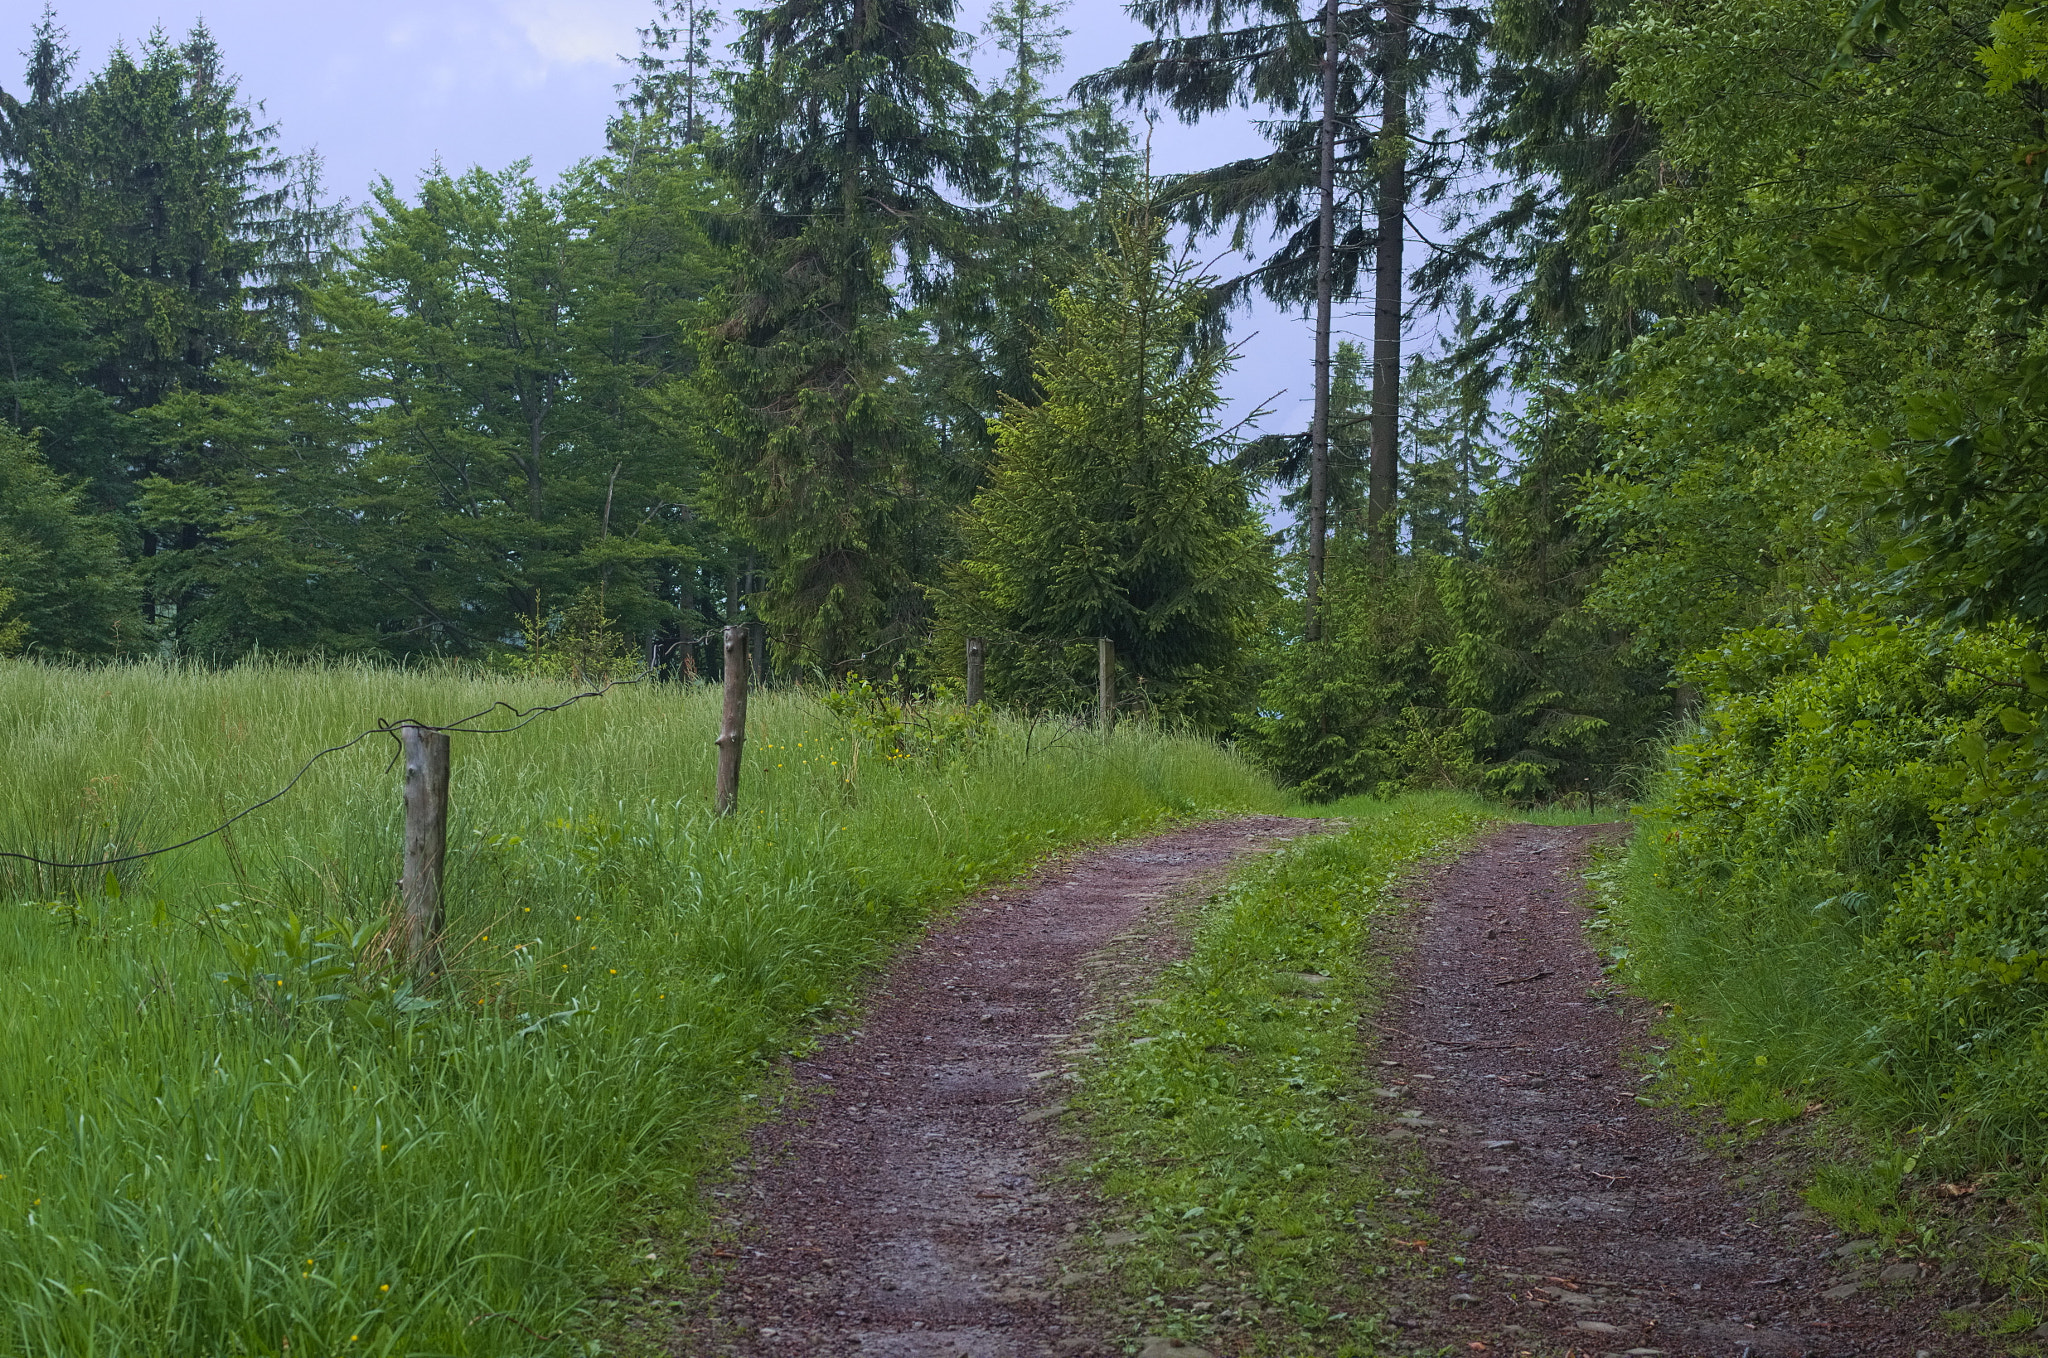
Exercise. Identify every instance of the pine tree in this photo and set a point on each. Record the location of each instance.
(160, 205)
(848, 123)
(182, 239)
(490, 420)
(674, 90)
(68, 590)
(46, 353)
(1352, 87)
(1111, 509)
(978, 329)
(1545, 286)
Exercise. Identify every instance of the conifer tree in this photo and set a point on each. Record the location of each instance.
(1111, 509)
(46, 353)
(160, 205)
(1352, 86)
(486, 424)
(849, 124)
(60, 565)
(674, 89)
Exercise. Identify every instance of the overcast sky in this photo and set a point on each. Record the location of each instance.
(384, 87)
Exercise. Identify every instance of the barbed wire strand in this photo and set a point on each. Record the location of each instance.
(521, 718)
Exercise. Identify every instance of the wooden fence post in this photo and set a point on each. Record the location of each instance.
(1105, 683)
(977, 652)
(426, 847)
(732, 732)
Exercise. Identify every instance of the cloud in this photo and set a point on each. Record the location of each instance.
(579, 32)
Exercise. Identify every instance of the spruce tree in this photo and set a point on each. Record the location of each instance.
(491, 420)
(162, 207)
(1111, 509)
(1352, 88)
(849, 124)
(45, 354)
(674, 90)
(68, 591)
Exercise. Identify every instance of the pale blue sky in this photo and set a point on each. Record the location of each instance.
(386, 86)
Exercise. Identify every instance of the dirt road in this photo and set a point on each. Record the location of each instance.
(1591, 1222)
(903, 1203)
(898, 1206)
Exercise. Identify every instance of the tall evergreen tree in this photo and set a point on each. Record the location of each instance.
(1373, 76)
(67, 589)
(1542, 284)
(162, 207)
(489, 422)
(183, 241)
(46, 356)
(1112, 510)
(849, 129)
(674, 90)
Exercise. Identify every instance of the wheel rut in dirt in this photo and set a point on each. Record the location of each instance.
(898, 1204)
(1592, 1223)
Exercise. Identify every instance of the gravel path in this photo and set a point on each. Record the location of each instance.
(1593, 1223)
(896, 1206)
(900, 1202)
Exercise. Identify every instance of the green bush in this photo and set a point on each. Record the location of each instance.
(1845, 880)
(1440, 673)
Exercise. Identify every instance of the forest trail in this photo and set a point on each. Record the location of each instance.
(902, 1202)
(895, 1206)
(1592, 1223)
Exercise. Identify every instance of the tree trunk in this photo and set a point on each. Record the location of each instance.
(1381, 523)
(1326, 248)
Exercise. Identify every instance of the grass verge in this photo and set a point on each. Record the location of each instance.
(227, 1125)
(1757, 1025)
(1245, 1207)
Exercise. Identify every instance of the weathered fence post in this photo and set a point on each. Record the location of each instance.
(732, 731)
(426, 847)
(977, 652)
(1105, 683)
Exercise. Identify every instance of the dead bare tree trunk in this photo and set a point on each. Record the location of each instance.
(1326, 249)
(1382, 476)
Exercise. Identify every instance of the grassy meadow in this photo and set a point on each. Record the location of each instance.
(227, 1125)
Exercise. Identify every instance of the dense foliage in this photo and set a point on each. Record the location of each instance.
(1815, 469)
(1108, 513)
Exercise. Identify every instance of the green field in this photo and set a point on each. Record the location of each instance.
(225, 1122)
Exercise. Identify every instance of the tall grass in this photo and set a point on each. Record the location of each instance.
(1772, 999)
(226, 1124)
